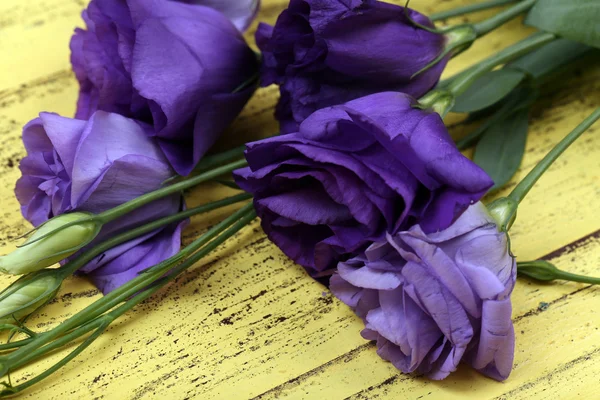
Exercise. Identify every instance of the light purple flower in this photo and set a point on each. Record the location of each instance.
(434, 300)
(240, 12)
(322, 53)
(354, 172)
(95, 165)
(177, 66)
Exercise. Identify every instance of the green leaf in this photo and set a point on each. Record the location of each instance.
(578, 20)
(520, 98)
(500, 150)
(550, 57)
(488, 90)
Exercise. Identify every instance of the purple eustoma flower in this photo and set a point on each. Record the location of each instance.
(434, 300)
(95, 165)
(322, 53)
(354, 172)
(240, 12)
(180, 67)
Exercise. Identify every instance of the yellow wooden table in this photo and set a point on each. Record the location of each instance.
(247, 322)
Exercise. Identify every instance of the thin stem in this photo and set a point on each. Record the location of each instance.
(140, 201)
(462, 82)
(16, 329)
(208, 236)
(61, 341)
(245, 220)
(173, 274)
(568, 276)
(504, 209)
(471, 8)
(118, 295)
(14, 345)
(150, 275)
(101, 323)
(82, 330)
(521, 190)
(143, 295)
(59, 364)
(85, 258)
(502, 17)
(131, 205)
(74, 265)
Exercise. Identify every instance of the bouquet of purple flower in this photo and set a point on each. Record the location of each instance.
(364, 187)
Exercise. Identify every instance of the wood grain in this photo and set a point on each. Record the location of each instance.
(247, 322)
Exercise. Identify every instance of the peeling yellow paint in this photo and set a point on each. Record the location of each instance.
(246, 322)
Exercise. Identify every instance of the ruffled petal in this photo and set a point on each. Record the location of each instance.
(240, 12)
(127, 261)
(495, 353)
(106, 138)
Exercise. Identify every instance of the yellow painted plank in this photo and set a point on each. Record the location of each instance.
(551, 346)
(247, 322)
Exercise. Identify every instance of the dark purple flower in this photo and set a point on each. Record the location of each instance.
(354, 172)
(433, 300)
(176, 66)
(240, 12)
(322, 53)
(95, 165)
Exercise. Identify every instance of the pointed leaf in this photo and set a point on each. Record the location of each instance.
(550, 57)
(500, 150)
(577, 20)
(488, 90)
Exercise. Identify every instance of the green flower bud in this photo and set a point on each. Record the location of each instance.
(54, 241)
(27, 294)
(545, 271)
(540, 270)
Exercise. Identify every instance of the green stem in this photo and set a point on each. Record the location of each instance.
(462, 82)
(442, 99)
(84, 329)
(504, 209)
(14, 345)
(140, 201)
(471, 8)
(461, 37)
(502, 17)
(147, 277)
(120, 294)
(104, 321)
(72, 266)
(521, 190)
(125, 208)
(11, 391)
(61, 341)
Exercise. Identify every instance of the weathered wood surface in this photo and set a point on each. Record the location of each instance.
(247, 322)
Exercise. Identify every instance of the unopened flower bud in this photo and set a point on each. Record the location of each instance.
(51, 244)
(545, 271)
(540, 270)
(28, 294)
